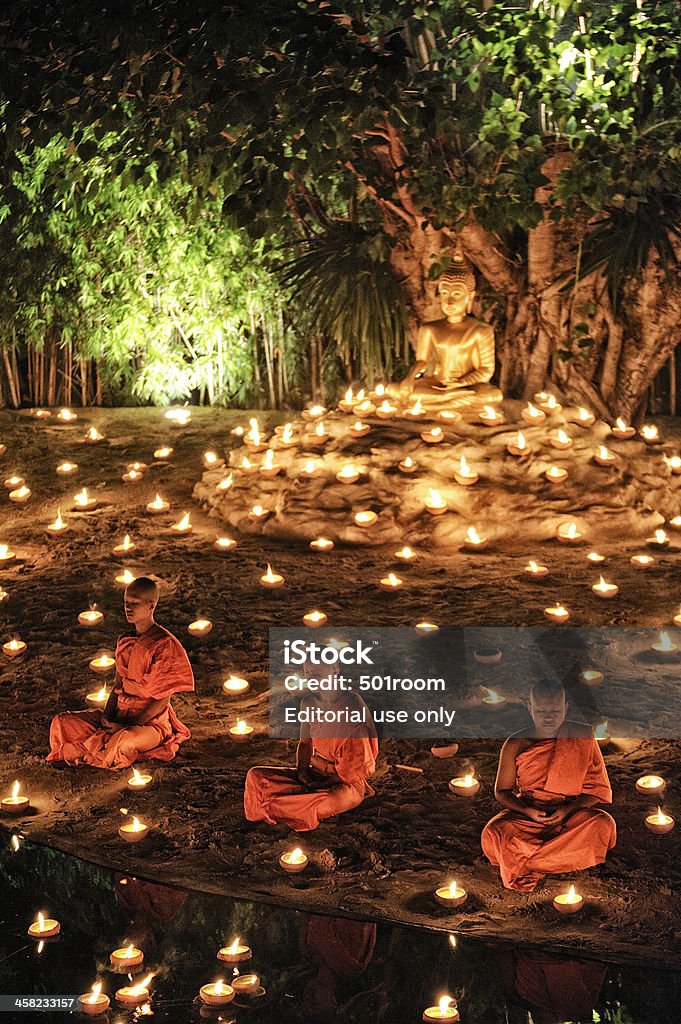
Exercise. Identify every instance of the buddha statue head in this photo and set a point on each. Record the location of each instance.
(456, 288)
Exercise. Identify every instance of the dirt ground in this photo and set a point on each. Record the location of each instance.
(383, 860)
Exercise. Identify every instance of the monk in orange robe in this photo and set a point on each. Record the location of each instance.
(551, 775)
(138, 720)
(330, 775)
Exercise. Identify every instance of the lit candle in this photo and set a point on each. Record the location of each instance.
(90, 618)
(568, 533)
(93, 436)
(605, 590)
(58, 525)
(246, 984)
(601, 732)
(269, 467)
(464, 475)
(568, 902)
(555, 474)
(347, 402)
(642, 561)
(235, 953)
(490, 415)
(133, 995)
(98, 699)
(561, 441)
(464, 785)
(294, 861)
(3, 595)
(217, 993)
(434, 436)
(128, 956)
(493, 699)
(125, 547)
(359, 429)
(622, 431)
(664, 648)
(651, 785)
(241, 732)
(674, 463)
(163, 453)
(650, 434)
(585, 417)
(595, 558)
(314, 619)
(235, 685)
(659, 540)
(67, 468)
(133, 476)
(435, 503)
(21, 495)
(406, 554)
(272, 580)
(532, 415)
(349, 474)
(314, 412)
(83, 501)
(365, 518)
(94, 1002)
(677, 618)
(451, 895)
(258, 514)
(365, 408)
(540, 396)
(557, 613)
(473, 541)
(519, 446)
(449, 416)
(179, 417)
(6, 555)
(378, 392)
(311, 469)
(200, 627)
(551, 404)
(138, 780)
(125, 578)
(212, 460)
(426, 628)
(183, 526)
(43, 927)
(391, 583)
(3, 449)
(604, 457)
(225, 543)
(15, 804)
(238, 431)
(590, 677)
(14, 481)
(445, 1010)
(386, 411)
(660, 823)
(102, 664)
(407, 465)
(40, 414)
(675, 523)
(321, 544)
(66, 416)
(157, 506)
(14, 648)
(416, 411)
(536, 570)
(254, 439)
(133, 831)
(286, 438)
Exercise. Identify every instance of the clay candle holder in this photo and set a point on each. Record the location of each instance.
(67, 468)
(569, 902)
(315, 619)
(133, 995)
(67, 416)
(246, 467)
(651, 785)
(391, 583)
(200, 627)
(434, 436)
(272, 580)
(473, 541)
(311, 470)
(658, 540)
(124, 578)
(650, 434)
(407, 465)
(84, 502)
(568, 534)
(347, 402)
(217, 993)
(138, 781)
(236, 953)
(674, 463)
(98, 699)
(490, 415)
(269, 467)
(622, 431)
(359, 429)
(406, 554)
(451, 895)
(93, 436)
(211, 460)
(435, 503)
(294, 861)
(58, 526)
(449, 416)
(349, 474)
(603, 456)
(133, 476)
(532, 415)
(102, 664)
(15, 804)
(183, 526)
(39, 414)
(535, 570)
(427, 628)
(157, 506)
(6, 555)
(258, 514)
(12, 482)
(519, 446)
(130, 956)
(365, 518)
(444, 1011)
(321, 544)
(93, 1002)
(465, 785)
(605, 590)
(21, 495)
(416, 411)
(90, 618)
(595, 558)
(560, 441)
(556, 474)
(551, 404)
(493, 699)
(464, 475)
(235, 685)
(246, 984)
(241, 732)
(365, 408)
(314, 413)
(14, 648)
(590, 677)
(43, 927)
(585, 417)
(659, 822)
(125, 547)
(386, 411)
(642, 561)
(664, 648)
(134, 831)
(164, 453)
(557, 614)
(225, 543)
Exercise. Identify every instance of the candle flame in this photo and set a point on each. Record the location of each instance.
(218, 986)
(360, 394)
(241, 726)
(96, 989)
(409, 462)
(464, 468)
(320, 429)
(226, 482)
(3, 550)
(253, 434)
(158, 501)
(533, 411)
(649, 432)
(393, 580)
(270, 576)
(601, 731)
(533, 566)
(15, 843)
(15, 790)
(472, 536)
(551, 402)
(452, 941)
(296, 856)
(287, 433)
(563, 437)
(41, 919)
(210, 458)
(520, 440)
(584, 414)
(572, 896)
(620, 424)
(660, 818)
(444, 1005)
(435, 498)
(417, 408)
(660, 536)
(494, 697)
(138, 781)
(184, 523)
(141, 987)
(348, 396)
(468, 780)
(101, 695)
(82, 497)
(268, 461)
(137, 825)
(235, 945)
(93, 434)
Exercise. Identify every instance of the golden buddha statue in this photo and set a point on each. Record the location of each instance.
(454, 355)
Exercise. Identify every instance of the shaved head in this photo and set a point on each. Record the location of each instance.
(547, 707)
(544, 688)
(144, 588)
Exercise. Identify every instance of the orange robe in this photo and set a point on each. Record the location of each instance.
(158, 664)
(547, 774)
(276, 796)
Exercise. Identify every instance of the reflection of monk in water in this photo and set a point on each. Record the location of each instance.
(149, 903)
(554, 989)
(343, 950)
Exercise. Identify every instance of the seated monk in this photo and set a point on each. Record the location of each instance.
(330, 775)
(454, 355)
(551, 775)
(138, 719)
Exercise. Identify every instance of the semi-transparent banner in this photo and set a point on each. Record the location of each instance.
(472, 681)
